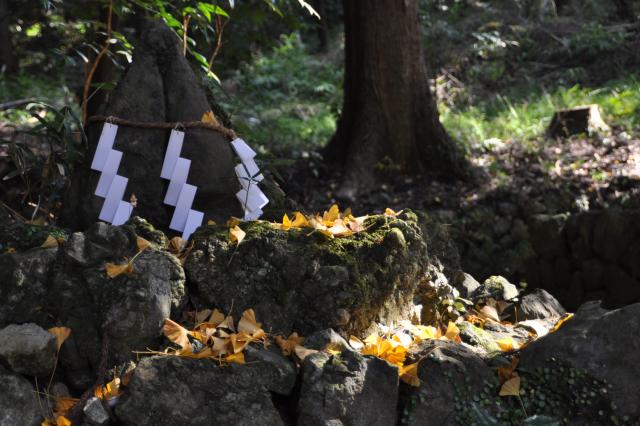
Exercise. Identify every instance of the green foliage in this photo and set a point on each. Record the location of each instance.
(524, 113)
(285, 100)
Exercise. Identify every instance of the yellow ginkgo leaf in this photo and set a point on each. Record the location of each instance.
(114, 270)
(63, 421)
(61, 333)
(299, 220)
(507, 371)
(108, 391)
(507, 344)
(355, 343)
(452, 333)
(209, 117)
(286, 223)
(562, 320)
(409, 374)
(176, 333)
(236, 234)
(424, 332)
(289, 344)
(511, 387)
(64, 404)
(177, 244)
(248, 322)
(390, 213)
(236, 358)
(333, 348)
(233, 221)
(50, 242)
(142, 243)
(330, 216)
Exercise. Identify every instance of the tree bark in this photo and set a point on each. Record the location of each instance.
(8, 63)
(389, 115)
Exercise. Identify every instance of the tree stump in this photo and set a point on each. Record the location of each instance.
(581, 119)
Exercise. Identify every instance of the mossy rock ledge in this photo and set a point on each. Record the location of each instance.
(298, 280)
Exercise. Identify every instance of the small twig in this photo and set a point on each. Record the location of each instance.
(185, 28)
(220, 24)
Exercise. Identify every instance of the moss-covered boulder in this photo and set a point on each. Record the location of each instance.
(303, 281)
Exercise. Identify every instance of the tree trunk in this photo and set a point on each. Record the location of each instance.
(8, 63)
(389, 116)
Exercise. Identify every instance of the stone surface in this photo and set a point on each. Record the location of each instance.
(496, 287)
(296, 281)
(604, 343)
(69, 287)
(169, 390)
(347, 389)
(94, 412)
(448, 372)
(537, 305)
(465, 284)
(321, 339)
(477, 337)
(28, 349)
(158, 86)
(18, 402)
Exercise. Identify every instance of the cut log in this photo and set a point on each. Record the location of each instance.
(581, 119)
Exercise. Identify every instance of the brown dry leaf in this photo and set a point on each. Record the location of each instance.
(232, 222)
(176, 333)
(211, 222)
(108, 391)
(11, 250)
(50, 242)
(475, 320)
(201, 316)
(216, 317)
(561, 321)
(64, 404)
(248, 322)
(114, 270)
(409, 374)
(506, 372)
(209, 117)
(489, 312)
(142, 243)
(289, 344)
(507, 344)
(61, 333)
(177, 244)
(355, 343)
(302, 352)
(511, 387)
(236, 234)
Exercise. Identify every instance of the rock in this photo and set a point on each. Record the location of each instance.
(604, 344)
(444, 366)
(538, 304)
(28, 349)
(296, 281)
(581, 119)
(614, 232)
(94, 412)
(477, 337)
(496, 287)
(159, 86)
(168, 390)
(25, 281)
(347, 389)
(621, 288)
(18, 401)
(69, 287)
(321, 339)
(465, 284)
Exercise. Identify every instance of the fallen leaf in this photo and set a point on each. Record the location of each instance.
(299, 220)
(176, 245)
(61, 333)
(176, 333)
(236, 234)
(50, 242)
(511, 387)
(355, 343)
(390, 213)
(289, 344)
(142, 243)
(453, 333)
(248, 322)
(489, 312)
(114, 270)
(64, 404)
(209, 117)
(507, 344)
(333, 348)
(233, 221)
(302, 352)
(409, 374)
(108, 391)
(236, 358)
(507, 371)
(331, 215)
(561, 321)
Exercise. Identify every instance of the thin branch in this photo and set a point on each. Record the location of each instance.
(220, 24)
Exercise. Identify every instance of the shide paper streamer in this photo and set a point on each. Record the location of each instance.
(175, 169)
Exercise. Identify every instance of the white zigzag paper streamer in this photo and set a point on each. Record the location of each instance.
(111, 186)
(250, 196)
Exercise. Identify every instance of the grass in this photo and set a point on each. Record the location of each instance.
(24, 86)
(524, 113)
